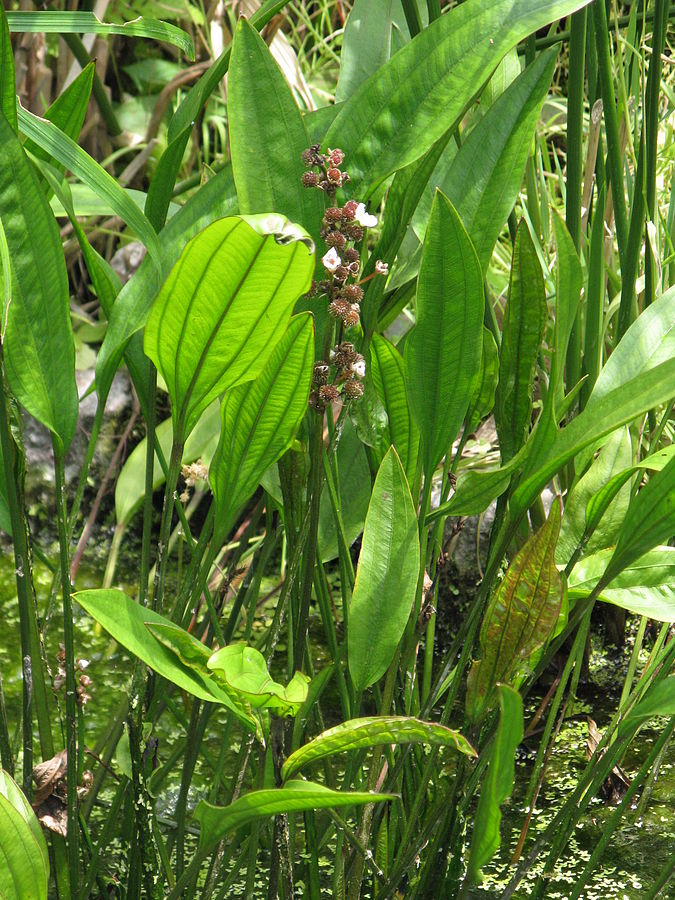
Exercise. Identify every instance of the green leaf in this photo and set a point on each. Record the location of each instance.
(223, 308)
(522, 335)
(244, 670)
(639, 376)
(260, 419)
(659, 700)
(498, 782)
(615, 456)
(267, 136)
(295, 796)
(65, 151)
(88, 23)
(7, 89)
(483, 398)
(521, 616)
(355, 484)
(442, 350)
(645, 587)
(375, 30)
(67, 112)
(38, 342)
(201, 444)
(213, 200)
(650, 521)
(386, 578)
(358, 734)
(400, 111)
(388, 372)
(191, 652)
(126, 621)
(484, 177)
(24, 862)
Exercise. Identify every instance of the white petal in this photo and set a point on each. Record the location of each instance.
(364, 218)
(359, 368)
(331, 260)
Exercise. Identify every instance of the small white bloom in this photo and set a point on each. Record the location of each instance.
(381, 268)
(331, 260)
(359, 368)
(364, 218)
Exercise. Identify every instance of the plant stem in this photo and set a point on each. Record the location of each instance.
(69, 648)
(575, 141)
(165, 527)
(611, 125)
(314, 500)
(412, 16)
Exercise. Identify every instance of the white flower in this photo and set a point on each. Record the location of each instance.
(331, 260)
(359, 368)
(364, 218)
(381, 268)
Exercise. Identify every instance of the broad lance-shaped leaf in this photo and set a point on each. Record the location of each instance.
(650, 521)
(386, 578)
(259, 124)
(223, 308)
(522, 334)
(442, 352)
(498, 782)
(484, 177)
(521, 616)
(388, 370)
(126, 621)
(38, 343)
(645, 587)
(295, 796)
(400, 111)
(260, 419)
(615, 456)
(244, 671)
(357, 734)
(24, 862)
(483, 398)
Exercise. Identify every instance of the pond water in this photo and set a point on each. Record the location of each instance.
(638, 852)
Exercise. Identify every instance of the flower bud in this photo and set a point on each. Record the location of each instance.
(333, 214)
(328, 393)
(336, 157)
(349, 209)
(381, 268)
(359, 367)
(353, 293)
(352, 317)
(354, 232)
(321, 372)
(351, 255)
(341, 272)
(334, 176)
(352, 389)
(336, 239)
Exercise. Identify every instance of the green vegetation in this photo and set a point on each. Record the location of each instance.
(371, 268)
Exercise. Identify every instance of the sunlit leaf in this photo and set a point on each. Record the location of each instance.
(386, 577)
(24, 862)
(357, 734)
(294, 796)
(222, 309)
(244, 670)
